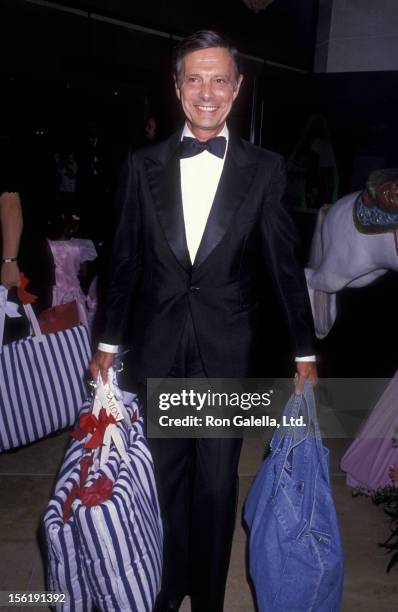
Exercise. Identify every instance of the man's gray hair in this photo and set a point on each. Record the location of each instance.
(203, 39)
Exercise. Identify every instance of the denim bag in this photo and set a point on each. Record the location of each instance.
(295, 555)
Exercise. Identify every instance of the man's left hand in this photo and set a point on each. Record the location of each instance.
(306, 370)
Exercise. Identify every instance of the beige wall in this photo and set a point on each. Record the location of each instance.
(357, 35)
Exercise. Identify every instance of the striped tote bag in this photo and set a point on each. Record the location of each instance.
(112, 559)
(41, 382)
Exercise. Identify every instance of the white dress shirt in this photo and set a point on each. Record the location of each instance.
(200, 176)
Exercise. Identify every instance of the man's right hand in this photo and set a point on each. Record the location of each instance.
(100, 364)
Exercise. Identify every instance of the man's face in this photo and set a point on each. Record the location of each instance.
(207, 89)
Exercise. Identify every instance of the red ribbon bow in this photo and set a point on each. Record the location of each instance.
(90, 424)
(98, 492)
(85, 464)
(24, 296)
(95, 494)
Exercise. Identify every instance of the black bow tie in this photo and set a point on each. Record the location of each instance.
(190, 146)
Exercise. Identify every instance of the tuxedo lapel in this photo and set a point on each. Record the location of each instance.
(235, 181)
(165, 184)
(163, 172)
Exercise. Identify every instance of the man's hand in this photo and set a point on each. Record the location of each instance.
(306, 370)
(100, 364)
(10, 275)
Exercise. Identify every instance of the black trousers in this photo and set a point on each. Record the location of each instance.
(197, 482)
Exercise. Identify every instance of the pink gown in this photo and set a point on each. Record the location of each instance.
(68, 256)
(375, 449)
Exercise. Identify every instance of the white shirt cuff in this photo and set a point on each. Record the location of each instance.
(108, 348)
(114, 348)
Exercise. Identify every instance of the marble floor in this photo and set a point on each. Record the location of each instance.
(27, 475)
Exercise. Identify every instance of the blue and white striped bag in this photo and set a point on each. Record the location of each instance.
(41, 381)
(113, 557)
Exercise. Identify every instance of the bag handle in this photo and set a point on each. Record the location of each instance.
(292, 409)
(10, 309)
(34, 323)
(286, 442)
(309, 400)
(107, 396)
(3, 306)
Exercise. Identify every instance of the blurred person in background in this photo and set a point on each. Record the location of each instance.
(27, 191)
(11, 224)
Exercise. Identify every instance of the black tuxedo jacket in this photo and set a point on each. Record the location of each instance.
(153, 284)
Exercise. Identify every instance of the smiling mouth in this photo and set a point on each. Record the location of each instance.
(207, 108)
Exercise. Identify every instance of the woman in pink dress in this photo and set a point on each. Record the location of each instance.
(70, 258)
(369, 459)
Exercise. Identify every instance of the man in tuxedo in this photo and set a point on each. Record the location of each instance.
(202, 217)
